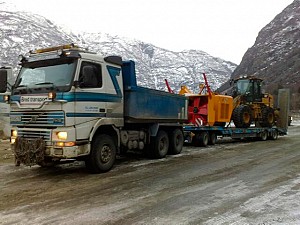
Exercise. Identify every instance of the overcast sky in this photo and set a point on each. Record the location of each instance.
(222, 28)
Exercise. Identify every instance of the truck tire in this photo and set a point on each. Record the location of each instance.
(201, 139)
(242, 116)
(160, 145)
(103, 154)
(212, 138)
(268, 117)
(176, 142)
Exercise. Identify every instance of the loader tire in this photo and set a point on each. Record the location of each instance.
(268, 117)
(242, 116)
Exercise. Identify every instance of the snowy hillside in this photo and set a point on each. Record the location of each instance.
(22, 31)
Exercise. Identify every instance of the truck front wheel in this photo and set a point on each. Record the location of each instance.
(103, 154)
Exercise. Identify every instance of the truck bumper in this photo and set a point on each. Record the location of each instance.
(67, 152)
(34, 151)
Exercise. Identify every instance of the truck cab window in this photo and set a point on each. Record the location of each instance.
(90, 75)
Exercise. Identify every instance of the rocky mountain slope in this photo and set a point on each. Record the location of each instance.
(275, 56)
(21, 32)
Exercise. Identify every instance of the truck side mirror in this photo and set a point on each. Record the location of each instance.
(3, 80)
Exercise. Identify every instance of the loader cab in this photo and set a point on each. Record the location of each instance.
(249, 88)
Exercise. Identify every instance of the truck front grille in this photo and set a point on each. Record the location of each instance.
(35, 133)
(37, 118)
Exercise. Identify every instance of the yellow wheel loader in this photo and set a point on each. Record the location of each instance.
(250, 104)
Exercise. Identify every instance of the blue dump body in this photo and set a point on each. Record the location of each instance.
(148, 105)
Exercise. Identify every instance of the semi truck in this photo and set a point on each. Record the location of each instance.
(69, 103)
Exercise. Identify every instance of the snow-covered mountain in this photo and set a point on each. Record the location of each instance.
(155, 64)
(23, 31)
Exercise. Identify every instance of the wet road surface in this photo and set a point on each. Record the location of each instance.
(229, 183)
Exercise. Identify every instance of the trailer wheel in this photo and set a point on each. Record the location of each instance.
(176, 142)
(201, 139)
(103, 154)
(264, 135)
(274, 135)
(160, 145)
(212, 138)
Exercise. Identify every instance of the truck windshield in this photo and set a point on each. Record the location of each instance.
(40, 76)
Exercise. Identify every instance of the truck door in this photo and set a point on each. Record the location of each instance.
(88, 104)
(96, 96)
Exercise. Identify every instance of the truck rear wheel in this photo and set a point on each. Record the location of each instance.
(176, 142)
(160, 145)
(103, 154)
(242, 116)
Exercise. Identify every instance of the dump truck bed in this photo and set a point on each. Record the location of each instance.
(143, 104)
(148, 105)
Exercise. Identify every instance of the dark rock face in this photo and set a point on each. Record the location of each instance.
(275, 56)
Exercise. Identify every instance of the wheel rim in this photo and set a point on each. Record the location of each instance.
(105, 154)
(246, 117)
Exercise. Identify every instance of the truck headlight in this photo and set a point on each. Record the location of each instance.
(13, 136)
(63, 135)
(14, 133)
(6, 98)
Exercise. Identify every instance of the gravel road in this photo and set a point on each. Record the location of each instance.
(229, 183)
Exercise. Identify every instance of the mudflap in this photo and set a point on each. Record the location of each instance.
(29, 151)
